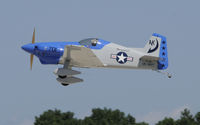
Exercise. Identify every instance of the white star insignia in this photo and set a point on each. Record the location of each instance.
(121, 57)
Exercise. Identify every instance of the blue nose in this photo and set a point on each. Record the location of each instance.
(28, 48)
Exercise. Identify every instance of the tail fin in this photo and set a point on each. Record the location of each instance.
(157, 46)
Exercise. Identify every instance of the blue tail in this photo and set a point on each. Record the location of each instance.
(163, 63)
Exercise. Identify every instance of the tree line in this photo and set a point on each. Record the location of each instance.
(109, 117)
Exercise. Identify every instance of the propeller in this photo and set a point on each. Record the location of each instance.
(31, 61)
(31, 56)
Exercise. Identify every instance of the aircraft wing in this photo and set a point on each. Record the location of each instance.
(75, 56)
(80, 56)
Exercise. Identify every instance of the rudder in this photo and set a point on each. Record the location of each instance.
(157, 46)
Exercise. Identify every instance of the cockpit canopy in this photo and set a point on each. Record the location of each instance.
(89, 42)
(93, 43)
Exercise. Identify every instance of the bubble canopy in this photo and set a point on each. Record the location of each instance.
(93, 43)
(89, 42)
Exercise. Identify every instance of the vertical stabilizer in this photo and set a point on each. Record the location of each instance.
(157, 46)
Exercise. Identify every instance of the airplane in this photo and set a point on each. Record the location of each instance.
(98, 53)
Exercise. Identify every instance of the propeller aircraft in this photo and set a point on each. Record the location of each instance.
(98, 53)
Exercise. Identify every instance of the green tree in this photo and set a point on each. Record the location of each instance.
(166, 121)
(98, 117)
(197, 118)
(110, 117)
(55, 117)
(186, 118)
(142, 123)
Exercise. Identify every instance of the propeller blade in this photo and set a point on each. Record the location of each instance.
(31, 56)
(33, 38)
(31, 61)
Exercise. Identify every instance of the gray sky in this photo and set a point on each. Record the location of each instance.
(144, 94)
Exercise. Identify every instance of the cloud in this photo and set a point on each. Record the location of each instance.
(155, 116)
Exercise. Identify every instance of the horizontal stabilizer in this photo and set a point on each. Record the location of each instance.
(150, 58)
(69, 80)
(149, 62)
(63, 72)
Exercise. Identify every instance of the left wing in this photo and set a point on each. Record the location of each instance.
(75, 56)
(80, 56)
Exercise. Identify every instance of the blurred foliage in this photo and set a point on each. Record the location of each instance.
(109, 117)
(186, 118)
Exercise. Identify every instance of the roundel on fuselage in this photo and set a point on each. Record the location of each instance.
(121, 57)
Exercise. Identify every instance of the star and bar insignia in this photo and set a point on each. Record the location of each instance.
(121, 57)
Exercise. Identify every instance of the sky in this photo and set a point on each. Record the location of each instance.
(146, 95)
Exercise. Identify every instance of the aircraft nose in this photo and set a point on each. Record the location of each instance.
(28, 48)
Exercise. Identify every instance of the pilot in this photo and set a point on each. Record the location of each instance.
(94, 42)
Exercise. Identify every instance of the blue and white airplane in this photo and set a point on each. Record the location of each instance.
(98, 53)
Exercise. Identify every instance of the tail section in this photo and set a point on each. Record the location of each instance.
(157, 46)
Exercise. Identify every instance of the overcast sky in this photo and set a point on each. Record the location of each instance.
(147, 95)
